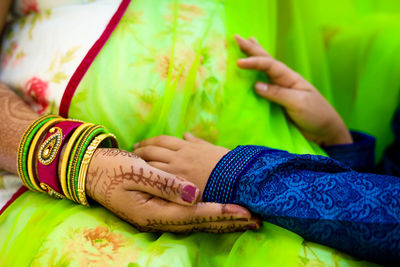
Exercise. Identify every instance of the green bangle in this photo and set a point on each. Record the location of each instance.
(76, 158)
(82, 151)
(72, 161)
(24, 146)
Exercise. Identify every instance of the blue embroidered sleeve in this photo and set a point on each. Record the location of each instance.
(390, 163)
(360, 155)
(317, 197)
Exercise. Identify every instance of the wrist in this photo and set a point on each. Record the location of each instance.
(221, 183)
(340, 136)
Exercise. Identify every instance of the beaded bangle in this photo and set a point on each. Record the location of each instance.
(67, 152)
(23, 149)
(77, 155)
(31, 161)
(98, 140)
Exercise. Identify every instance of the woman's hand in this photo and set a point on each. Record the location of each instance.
(153, 200)
(306, 107)
(192, 158)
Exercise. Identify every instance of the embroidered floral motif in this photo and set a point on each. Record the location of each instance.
(316, 197)
(179, 66)
(95, 246)
(186, 12)
(37, 92)
(29, 6)
(9, 53)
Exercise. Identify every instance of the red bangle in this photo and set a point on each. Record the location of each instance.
(48, 156)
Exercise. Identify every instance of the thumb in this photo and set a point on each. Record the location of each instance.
(193, 139)
(283, 96)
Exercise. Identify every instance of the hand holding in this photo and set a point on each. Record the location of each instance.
(192, 158)
(153, 200)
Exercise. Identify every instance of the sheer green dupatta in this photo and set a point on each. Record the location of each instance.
(170, 67)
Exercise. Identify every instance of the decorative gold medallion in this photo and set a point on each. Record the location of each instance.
(51, 191)
(49, 149)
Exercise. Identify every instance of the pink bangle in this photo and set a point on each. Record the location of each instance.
(49, 154)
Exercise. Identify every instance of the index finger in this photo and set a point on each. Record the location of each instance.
(279, 73)
(250, 47)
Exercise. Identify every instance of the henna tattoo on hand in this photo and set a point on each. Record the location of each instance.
(114, 152)
(105, 182)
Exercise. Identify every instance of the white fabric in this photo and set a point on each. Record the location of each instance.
(9, 184)
(42, 50)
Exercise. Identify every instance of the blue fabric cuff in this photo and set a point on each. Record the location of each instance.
(360, 155)
(221, 184)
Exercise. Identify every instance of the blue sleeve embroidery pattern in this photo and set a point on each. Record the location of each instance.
(360, 155)
(319, 198)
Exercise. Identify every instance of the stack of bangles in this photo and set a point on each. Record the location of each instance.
(39, 155)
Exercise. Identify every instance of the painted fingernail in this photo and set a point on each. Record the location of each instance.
(188, 193)
(261, 87)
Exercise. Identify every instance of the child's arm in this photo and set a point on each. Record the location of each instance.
(317, 197)
(306, 107)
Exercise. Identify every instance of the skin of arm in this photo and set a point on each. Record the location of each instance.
(15, 117)
(4, 8)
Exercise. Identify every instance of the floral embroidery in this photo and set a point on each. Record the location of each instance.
(181, 63)
(96, 246)
(9, 53)
(186, 12)
(37, 91)
(29, 6)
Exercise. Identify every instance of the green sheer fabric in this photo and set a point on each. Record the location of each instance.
(170, 67)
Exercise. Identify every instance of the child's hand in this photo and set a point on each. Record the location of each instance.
(192, 158)
(306, 107)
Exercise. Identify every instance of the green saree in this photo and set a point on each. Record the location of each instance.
(170, 67)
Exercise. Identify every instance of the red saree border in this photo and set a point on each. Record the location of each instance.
(78, 75)
(89, 58)
(20, 191)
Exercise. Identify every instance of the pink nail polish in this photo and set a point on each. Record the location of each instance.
(188, 193)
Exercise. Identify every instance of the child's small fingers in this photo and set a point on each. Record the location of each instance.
(255, 41)
(191, 138)
(154, 153)
(285, 97)
(250, 48)
(169, 142)
(276, 70)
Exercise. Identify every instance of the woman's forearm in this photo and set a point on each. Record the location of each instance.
(317, 197)
(4, 8)
(15, 117)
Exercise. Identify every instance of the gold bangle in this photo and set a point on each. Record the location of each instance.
(86, 161)
(74, 158)
(21, 162)
(65, 159)
(32, 149)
